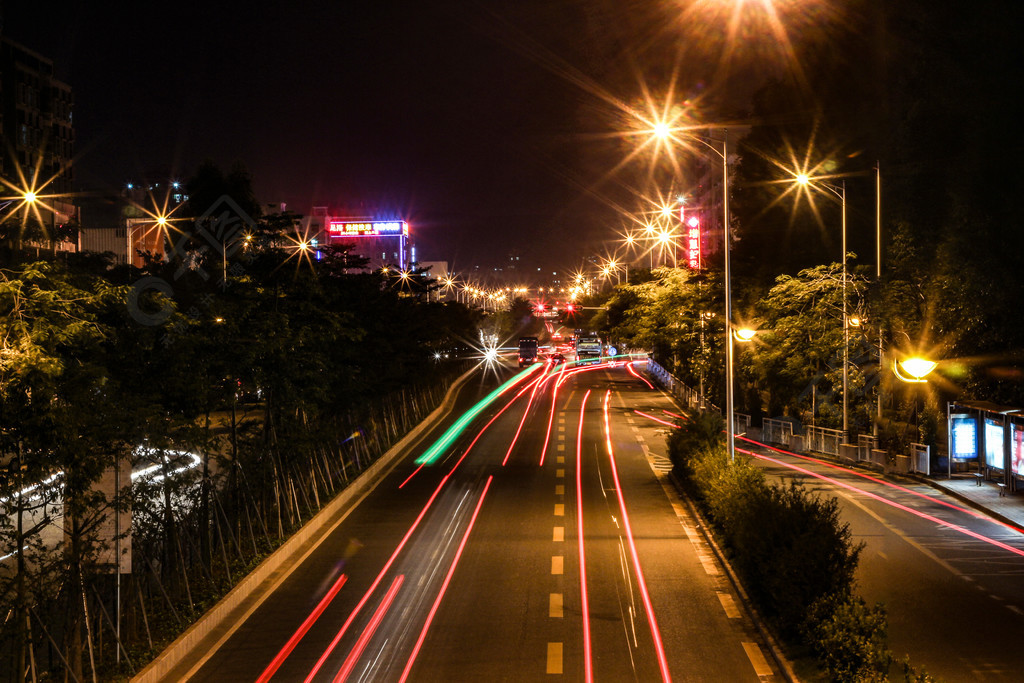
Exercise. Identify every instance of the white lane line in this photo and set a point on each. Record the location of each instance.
(555, 606)
(554, 658)
(559, 534)
(729, 605)
(910, 541)
(757, 659)
(557, 564)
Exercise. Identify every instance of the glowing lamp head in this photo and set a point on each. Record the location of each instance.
(662, 130)
(161, 220)
(914, 369)
(30, 197)
(744, 334)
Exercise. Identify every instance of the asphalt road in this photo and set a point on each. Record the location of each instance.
(490, 564)
(951, 578)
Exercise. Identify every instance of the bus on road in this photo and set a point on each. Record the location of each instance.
(588, 350)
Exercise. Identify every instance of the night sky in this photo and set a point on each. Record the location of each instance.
(466, 118)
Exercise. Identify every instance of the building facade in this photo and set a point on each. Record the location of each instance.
(38, 145)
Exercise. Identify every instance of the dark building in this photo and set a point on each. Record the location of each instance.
(38, 140)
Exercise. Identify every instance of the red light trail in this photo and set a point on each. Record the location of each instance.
(656, 419)
(904, 489)
(588, 665)
(444, 586)
(891, 503)
(659, 648)
(364, 637)
(276, 663)
(629, 366)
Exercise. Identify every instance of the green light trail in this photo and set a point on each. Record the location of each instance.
(431, 455)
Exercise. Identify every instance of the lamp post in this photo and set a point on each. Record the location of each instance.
(666, 132)
(840, 193)
(915, 370)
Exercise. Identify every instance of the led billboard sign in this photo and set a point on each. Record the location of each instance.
(342, 229)
(1017, 450)
(965, 437)
(993, 443)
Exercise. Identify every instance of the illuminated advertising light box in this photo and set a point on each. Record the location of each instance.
(965, 437)
(993, 443)
(1017, 450)
(343, 229)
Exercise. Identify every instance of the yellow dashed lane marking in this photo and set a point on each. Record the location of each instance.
(555, 606)
(756, 657)
(559, 534)
(554, 658)
(729, 605)
(559, 510)
(559, 489)
(560, 474)
(557, 562)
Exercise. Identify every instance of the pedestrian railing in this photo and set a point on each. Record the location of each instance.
(921, 458)
(741, 423)
(866, 443)
(777, 431)
(824, 440)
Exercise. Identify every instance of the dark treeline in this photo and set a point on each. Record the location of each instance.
(241, 379)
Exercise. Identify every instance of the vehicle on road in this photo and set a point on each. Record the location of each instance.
(527, 351)
(588, 350)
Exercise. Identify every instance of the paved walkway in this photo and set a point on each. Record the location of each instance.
(983, 495)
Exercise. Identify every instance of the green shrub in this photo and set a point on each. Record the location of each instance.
(792, 550)
(850, 639)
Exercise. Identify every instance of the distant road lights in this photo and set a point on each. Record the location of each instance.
(913, 370)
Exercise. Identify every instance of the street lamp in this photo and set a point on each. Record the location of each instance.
(913, 370)
(840, 193)
(663, 131)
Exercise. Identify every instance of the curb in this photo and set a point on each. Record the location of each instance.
(246, 596)
(773, 645)
(785, 666)
(964, 499)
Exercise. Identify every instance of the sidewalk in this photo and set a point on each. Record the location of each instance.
(982, 495)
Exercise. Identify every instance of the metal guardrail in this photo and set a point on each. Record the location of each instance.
(686, 394)
(777, 431)
(824, 440)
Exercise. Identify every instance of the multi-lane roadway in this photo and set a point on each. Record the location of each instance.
(541, 543)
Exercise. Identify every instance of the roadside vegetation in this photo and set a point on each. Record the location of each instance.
(792, 553)
(241, 405)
